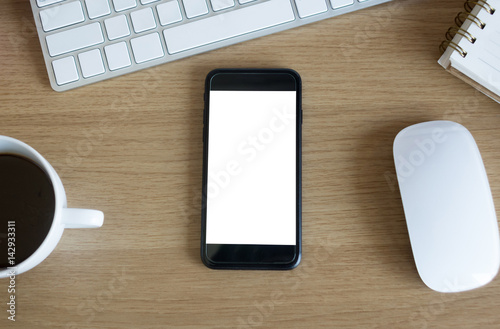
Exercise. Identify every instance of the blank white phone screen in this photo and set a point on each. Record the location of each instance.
(251, 190)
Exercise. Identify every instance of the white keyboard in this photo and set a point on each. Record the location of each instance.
(85, 41)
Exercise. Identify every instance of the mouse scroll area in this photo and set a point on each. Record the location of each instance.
(448, 206)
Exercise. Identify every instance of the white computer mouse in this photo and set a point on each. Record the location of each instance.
(448, 206)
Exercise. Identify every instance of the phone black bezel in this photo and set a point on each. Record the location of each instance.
(264, 257)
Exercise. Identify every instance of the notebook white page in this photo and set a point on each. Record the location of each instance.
(481, 65)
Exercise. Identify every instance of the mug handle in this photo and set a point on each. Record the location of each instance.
(82, 218)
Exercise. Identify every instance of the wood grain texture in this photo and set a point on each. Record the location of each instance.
(132, 147)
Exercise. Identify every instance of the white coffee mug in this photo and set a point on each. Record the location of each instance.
(63, 217)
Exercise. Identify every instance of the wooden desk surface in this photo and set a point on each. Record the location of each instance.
(132, 147)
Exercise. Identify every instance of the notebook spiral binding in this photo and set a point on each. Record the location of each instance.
(459, 20)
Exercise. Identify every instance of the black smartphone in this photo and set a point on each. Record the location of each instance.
(251, 198)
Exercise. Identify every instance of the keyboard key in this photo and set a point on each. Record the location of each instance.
(336, 4)
(91, 63)
(245, 1)
(118, 56)
(65, 70)
(169, 12)
(147, 48)
(43, 3)
(121, 5)
(214, 28)
(61, 16)
(145, 2)
(195, 8)
(117, 27)
(97, 8)
(308, 8)
(221, 4)
(143, 20)
(74, 39)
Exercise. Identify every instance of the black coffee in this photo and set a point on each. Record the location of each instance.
(27, 205)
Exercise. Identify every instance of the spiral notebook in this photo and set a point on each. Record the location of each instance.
(472, 47)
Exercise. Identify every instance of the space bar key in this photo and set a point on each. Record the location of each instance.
(228, 25)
